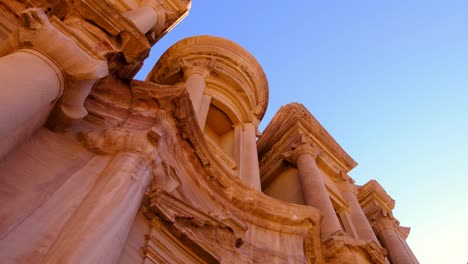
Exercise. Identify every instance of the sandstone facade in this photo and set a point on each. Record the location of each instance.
(98, 168)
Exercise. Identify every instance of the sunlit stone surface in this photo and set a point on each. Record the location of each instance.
(96, 167)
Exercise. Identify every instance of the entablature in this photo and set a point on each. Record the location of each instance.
(372, 194)
(292, 126)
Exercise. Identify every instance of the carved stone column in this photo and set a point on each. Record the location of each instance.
(97, 231)
(377, 206)
(147, 16)
(249, 168)
(358, 218)
(313, 188)
(386, 227)
(30, 81)
(38, 64)
(196, 85)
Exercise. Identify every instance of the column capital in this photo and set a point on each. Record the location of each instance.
(346, 183)
(303, 149)
(49, 37)
(202, 68)
(383, 220)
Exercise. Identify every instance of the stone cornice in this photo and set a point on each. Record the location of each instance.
(46, 36)
(134, 45)
(373, 193)
(102, 30)
(244, 84)
(291, 126)
(378, 207)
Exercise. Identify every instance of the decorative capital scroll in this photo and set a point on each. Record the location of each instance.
(47, 36)
(202, 68)
(50, 38)
(383, 220)
(346, 183)
(303, 149)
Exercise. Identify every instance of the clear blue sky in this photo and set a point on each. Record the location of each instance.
(387, 79)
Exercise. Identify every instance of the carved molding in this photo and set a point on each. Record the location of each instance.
(231, 66)
(346, 183)
(378, 207)
(199, 198)
(202, 68)
(100, 28)
(291, 126)
(113, 141)
(303, 149)
(156, 250)
(294, 121)
(44, 35)
(372, 194)
(51, 37)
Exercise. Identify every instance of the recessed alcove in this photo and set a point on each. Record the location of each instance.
(286, 187)
(219, 129)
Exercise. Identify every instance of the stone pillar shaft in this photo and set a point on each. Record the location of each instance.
(30, 81)
(249, 168)
(196, 86)
(398, 249)
(33, 80)
(97, 232)
(144, 18)
(358, 218)
(316, 194)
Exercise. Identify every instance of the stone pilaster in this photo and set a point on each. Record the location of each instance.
(313, 188)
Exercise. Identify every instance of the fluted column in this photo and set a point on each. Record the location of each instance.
(313, 187)
(97, 232)
(249, 168)
(386, 228)
(358, 218)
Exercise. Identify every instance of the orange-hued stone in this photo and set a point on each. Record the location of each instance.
(98, 168)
